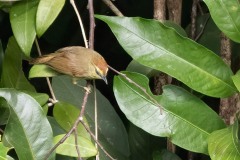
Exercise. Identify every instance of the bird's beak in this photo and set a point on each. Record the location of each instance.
(105, 79)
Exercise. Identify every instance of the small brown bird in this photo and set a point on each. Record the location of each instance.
(76, 61)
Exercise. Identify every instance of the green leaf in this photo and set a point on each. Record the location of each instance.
(110, 126)
(236, 80)
(57, 129)
(156, 46)
(12, 75)
(4, 111)
(225, 14)
(27, 124)
(224, 144)
(142, 144)
(1, 58)
(42, 71)
(165, 155)
(41, 98)
(46, 13)
(134, 66)
(209, 33)
(176, 27)
(66, 114)
(87, 149)
(183, 119)
(22, 18)
(3, 151)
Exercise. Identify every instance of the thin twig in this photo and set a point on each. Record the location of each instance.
(88, 86)
(91, 45)
(76, 144)
(1, 131)
(48, 80)
(94, 138)
(113, 8)
(80, 22)
(138, 86)
(74, 127)
(92, 24)
(95, 117)
(202, 29)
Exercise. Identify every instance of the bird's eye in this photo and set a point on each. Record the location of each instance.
(98, 72)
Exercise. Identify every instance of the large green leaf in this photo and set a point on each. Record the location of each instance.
(224, 144)
(3, 151)
(1, 58)
(225, 14)
(183, 119)
(165, 155)
(22, 17)
(156, 46)
(28, 129)
(66, 115)
(86, 148)
(112, 133)
(46, 13)
(12, 74)
(4, 111)
(236, 80)
(42, 70)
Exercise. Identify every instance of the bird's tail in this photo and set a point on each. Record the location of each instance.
(40, 60)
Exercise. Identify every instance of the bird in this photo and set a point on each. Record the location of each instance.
(76, 61)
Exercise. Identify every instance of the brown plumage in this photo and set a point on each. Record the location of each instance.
(77, 62)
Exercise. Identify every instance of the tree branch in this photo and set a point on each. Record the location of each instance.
(113, 8)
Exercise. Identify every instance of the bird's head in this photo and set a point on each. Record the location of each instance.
(101, 68)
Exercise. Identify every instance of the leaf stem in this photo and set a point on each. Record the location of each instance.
(138, 86)
(80, 22)
(48, 80)
(113, 8)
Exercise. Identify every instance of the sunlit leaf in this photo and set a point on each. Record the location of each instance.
(110, 126)
(236, 80)
(225, 14)
(22, 18)
(156, 46)
(68, 147)
(42, 71)
(224, 144)
(3, 151)
(66, 115)
(183, 118)
(46, 13)
(27, 124)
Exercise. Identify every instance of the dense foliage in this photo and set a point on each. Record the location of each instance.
(133, 123)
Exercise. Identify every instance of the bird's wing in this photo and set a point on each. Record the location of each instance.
(65, 63)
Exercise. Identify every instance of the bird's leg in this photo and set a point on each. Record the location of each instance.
(87, 89)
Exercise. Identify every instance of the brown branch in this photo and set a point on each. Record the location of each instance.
(159, 11)
(94, 138)
(113, 8)
(161, 78)
(193, 19)
(92, 24)
(228, 106)
(91, 45)
(74, 127)
(175, 10)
